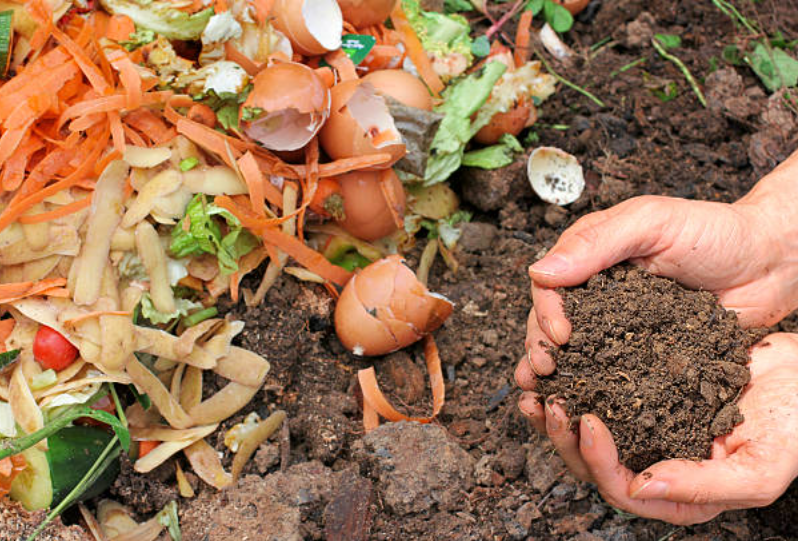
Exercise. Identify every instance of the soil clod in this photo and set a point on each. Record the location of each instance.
(661, 365)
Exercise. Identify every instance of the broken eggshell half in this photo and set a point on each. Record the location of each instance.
(384, 308)
(314, 27)
(287, 107)
(360, 125)
(363, 13)
(374, 203)
(555, 175)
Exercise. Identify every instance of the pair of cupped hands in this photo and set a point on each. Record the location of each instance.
(745, 255)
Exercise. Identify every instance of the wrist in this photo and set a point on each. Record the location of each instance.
(772, 209)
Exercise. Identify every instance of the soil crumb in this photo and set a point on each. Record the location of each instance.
(661, 365)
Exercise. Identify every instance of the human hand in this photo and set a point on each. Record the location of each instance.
(734, 251)
(750, 467)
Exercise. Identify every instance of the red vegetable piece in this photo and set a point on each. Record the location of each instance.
(52, 350)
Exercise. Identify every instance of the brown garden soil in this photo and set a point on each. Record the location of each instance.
(661, 365)
(481, 472)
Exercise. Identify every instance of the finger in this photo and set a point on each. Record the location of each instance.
(525, 376)
(739, 480)
(550, 314)
(538, 346)
(530, 405)
(600, 240)
(565, 440)
(613, 479)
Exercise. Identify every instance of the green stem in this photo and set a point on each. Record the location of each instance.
(99, 466)
(568, 83)
(120, 412)
(199, 317)
(689, 76)
(729, 10)
(628, 66)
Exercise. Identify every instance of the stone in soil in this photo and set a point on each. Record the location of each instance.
(416, 466)
(271, 508)
(661, 365)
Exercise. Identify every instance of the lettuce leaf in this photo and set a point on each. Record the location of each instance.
(160, 17)
(182, 308)
(495, 156)
(461, 100)
(199, 232)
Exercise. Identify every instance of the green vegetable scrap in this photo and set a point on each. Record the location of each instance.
(8, 357)
(226, 106)
(161, 17)
(496, 156)
(559, 18)
(183, 307)
(461, 100)
(139, 38)
(445, 37)
(199, 231)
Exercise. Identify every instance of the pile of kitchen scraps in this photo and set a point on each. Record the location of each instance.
(154, 153)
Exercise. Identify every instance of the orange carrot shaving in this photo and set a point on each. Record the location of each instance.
(128, 76)
(117, 131)
(119, 28)
(416, 51)
(19, 290)
(148, 123)
(304, 255)
(209, 139)
(374, 402)
(233, 54)
(254, 179)
(522, 38)
(203, 114)
(14, 170)
(105, 104)
(134, 137)
(6, 328)
(10, 467)
(146, 447)
(90, 315)
(60, 212)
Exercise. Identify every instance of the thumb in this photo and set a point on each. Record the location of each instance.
(600, 240)
(739, 480)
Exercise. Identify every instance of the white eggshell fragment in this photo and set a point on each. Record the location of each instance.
(555, 175)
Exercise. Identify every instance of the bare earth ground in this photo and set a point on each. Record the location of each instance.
(481, 472)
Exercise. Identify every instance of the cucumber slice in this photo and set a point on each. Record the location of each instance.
(337, 247)
(6, 40)
(72, 451)
(33, 487)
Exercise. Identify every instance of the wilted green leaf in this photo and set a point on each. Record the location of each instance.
(669, 41)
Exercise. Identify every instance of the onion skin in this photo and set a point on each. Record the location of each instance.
(362, 13)
(384, 308)
(342, 137)
(368, 213)
(402, 86)
(512, 122)
(573, 6)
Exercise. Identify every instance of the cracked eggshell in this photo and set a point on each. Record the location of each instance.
(555, 175)
(314, 27)
(363, 13)
(295, 104)
(360, 125)
(369, 213)
(384, 308)
(402, 86)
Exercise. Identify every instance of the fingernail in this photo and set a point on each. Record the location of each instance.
(551, 265)
(653, 490)
(553, 423)
(525, 397)
(553, 332)
(531, 364)
(586, 436)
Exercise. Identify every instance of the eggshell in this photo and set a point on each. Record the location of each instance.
(555, 175)
(314, 27)
(292, 117)
(357, 116)
(402, 86)
(362, 13)
(512, 122)
(574, 6)
(369, 215)
(384, 308)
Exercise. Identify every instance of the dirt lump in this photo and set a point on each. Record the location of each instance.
(661, 365)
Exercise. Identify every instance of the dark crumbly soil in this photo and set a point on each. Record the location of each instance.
(661, 365)
(521, 491)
